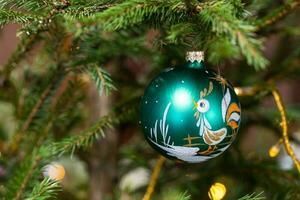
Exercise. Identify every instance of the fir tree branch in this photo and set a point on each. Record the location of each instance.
(37, 106)
(181, 31)
(30, 5)
(26, 179)
(81, 11)
(28, 40)
(23, 174)
(188, 5)
(83, 139)
(183, 196)
(23, 47)
(87, 137)
(174, 194)
(221, 17)
(44, 190)
(253, 197)
(17, 185)
(132, 12)
(10, 16)
(277, 14)
(18, 137)
(102, 79)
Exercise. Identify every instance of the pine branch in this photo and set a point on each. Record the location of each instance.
(253, 197)
(17, 185)
(238, 32)
(83, 139)
(23, 47)
(30, 165)
(82, 11)
(24, 174)
(179, 32)
(44, 190)
(102, 79)
(277, 14)
(87, 137)
(62, 110)
(238, 8)
(188, 35)
(30, 5)
(130, 13)
(46, 94)
(10, 16)
(228, 50)
(183, 196)
(175, 195)
(30, 37)
(36, 107)
(221, 17)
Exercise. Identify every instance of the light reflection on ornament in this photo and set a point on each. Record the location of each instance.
(217, 191)
(181, 98)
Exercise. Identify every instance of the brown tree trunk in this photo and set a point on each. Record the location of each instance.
(102, 157)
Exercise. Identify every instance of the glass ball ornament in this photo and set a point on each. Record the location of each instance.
(190, 113)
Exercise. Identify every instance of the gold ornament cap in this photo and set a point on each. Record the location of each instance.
(193, 56)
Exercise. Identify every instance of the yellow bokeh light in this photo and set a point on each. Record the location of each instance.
(238, 90)
(274, 150)
(217, 191)
(54, 171)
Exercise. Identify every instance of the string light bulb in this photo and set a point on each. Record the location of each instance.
(275, 149)
(54, 171)
(217, 191)
(238, 90)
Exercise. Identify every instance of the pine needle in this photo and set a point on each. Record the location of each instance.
(29, 5)
(102, 79)
(253, 197)
(10, 16)
(130, 13)
(44, 190)
(220, 16)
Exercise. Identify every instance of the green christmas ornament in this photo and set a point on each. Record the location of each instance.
(190, 113)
